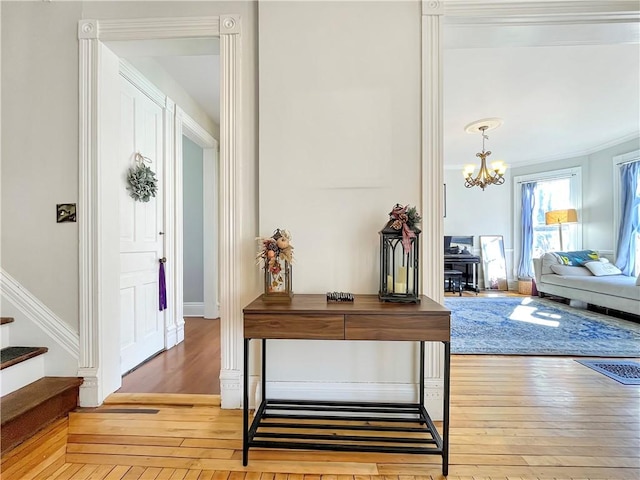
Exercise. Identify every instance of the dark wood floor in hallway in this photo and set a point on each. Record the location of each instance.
(191, 367)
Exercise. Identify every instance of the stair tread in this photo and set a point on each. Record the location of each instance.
(5, 320)
(11, 355)
(24, 399)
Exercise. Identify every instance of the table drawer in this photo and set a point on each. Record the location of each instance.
(397, 327)
(294, 326)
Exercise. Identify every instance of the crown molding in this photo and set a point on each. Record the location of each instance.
(587, 151)
(562, 156)
(470, 12)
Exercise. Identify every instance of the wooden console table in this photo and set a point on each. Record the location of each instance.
(340, 425)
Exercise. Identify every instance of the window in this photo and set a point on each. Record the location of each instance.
(553, 190)
(553, 194)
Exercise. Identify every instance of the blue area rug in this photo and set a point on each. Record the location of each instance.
(534, 326)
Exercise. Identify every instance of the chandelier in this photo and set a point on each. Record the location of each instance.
(486, 176)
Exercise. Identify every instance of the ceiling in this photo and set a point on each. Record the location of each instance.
(193, 63)
(562, 90)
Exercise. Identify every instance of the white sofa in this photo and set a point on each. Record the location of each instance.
(617, 292)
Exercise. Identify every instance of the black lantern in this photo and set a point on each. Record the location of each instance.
(399, 257)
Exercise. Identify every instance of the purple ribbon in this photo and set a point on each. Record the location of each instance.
(163, 287)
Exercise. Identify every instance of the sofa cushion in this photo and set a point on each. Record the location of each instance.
(571, 271)
(548, 259)
(600, 269)
(613, 285)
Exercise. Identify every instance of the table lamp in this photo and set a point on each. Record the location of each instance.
(568, 215)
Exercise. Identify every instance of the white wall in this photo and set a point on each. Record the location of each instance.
(40, 150)
(472, 211)
(40, 138)
(339, 146)
(193, 222)
(598, 197)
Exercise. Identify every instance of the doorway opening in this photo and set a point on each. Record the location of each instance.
(194, 164)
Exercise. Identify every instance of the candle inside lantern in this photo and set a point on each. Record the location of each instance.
(403, 281)
(400, 287)
(389, 284)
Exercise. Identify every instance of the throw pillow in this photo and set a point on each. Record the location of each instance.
(600, 269)
(571, 271)
(548, 259)
(576, 258)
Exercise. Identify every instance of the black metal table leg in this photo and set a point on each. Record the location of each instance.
(421, 393)
(245, 405)
(264, 369)
(445, 413)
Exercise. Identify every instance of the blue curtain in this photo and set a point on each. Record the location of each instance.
(525, 267)
(629, 221)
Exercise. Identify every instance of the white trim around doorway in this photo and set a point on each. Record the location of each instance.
(96, 264)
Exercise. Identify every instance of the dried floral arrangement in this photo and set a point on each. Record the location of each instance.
(143, 183)
(275, 250)
(406, 214)
(406, 219)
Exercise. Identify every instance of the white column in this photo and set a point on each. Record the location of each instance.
(229, 251)
(432, 190)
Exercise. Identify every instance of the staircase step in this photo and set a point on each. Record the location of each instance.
(11, 355)
(29, 409)
(5, 332)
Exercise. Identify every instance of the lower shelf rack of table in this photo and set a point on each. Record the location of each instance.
(344, 426)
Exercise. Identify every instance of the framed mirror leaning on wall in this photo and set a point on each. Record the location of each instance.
(494, 265)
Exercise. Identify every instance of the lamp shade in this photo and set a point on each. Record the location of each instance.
(569, 215)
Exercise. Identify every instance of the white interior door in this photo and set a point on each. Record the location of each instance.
(141, 243)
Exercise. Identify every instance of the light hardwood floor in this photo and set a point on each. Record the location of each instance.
(511, 417)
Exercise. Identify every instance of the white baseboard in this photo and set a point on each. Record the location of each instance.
(231, 389)
(193, 309)
(90, 394)
(180, 331)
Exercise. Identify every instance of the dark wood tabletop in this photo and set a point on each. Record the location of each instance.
(366, 318)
